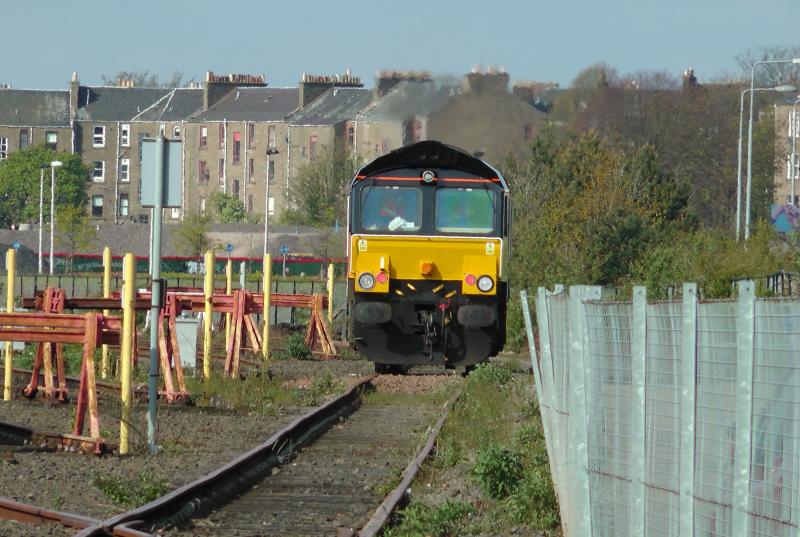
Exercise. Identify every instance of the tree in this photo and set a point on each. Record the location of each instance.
(773, 74)
(143, 79)
(191, 238)
(317, 196)
(228, 209)
(19, 184)
(75, 232)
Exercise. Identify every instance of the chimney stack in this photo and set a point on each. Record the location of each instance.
(494, 80)
(74, 89)
(218, 86)
(312, 86)
(386, 80)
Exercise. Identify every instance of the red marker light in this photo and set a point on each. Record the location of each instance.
(382, 277)
(470, 279)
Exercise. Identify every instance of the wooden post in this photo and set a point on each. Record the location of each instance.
(127, 349)
(265, 287)
(11, 259)
(208, 288)
(106, 313)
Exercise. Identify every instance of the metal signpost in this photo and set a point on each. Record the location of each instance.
(284, 251)
(161, 187)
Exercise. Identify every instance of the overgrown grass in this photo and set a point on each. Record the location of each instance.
(73, 357)
(493, 441)
(129, 493)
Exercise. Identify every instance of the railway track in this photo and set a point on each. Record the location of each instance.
(325, 474)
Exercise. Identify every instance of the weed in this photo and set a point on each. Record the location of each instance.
(321, 387)
(131, 493)
(447, 520)
(534, 501)
(386, 488)
(498, 471)
(488, 373)
(294, 348)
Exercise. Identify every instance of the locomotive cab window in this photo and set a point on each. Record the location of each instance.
(391, 208)
(465, 210)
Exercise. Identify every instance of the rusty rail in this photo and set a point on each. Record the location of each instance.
(240, 474)
(30, 514)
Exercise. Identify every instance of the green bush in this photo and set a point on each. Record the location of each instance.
(295, 348)
(447, 520)
(534, 500)
(498, 471)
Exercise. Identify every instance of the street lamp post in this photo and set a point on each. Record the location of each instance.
(270, 151)
(53, 165)
(42, 168)
(783, 89)
(750, 140)
(793, 132)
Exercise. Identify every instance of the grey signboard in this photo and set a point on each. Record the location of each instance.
(172, 173)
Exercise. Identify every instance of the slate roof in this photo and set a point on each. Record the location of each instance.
(176, 105)
(34, 108)
(253, 104)
(409, 98)
(334, 106)
(100, 103)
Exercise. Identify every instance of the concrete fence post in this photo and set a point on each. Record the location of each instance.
(745, 339)
(688, 391)
(638, 401)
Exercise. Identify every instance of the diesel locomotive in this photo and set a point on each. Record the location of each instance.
(428, 252)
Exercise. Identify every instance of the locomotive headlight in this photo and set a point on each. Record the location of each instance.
(366, 281)
(485, 284)
(428, 176)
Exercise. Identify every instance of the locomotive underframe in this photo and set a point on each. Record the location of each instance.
(417, 323)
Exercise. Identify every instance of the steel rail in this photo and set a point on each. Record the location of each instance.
(223, 484)
(384, 511)
(30, 514)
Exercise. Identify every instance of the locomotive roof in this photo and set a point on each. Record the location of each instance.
(430, 154)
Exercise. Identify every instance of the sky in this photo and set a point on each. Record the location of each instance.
(46, 40)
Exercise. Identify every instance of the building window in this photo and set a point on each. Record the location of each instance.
(51, 140)
(203, 137)
(237, 140)
(251, 135)
(24, 138)
(3, 148)
(175, 213)
(124, 170)
(99, 171)
(123, 205)
(221, 170)
(312, 147)
(271, 135)
(221, 135)
(271, 206)
(236, 187)
(251, 170)
(271, 173)
(350, 137)
(176, 131)
(97, 206)
(202, 206)
(250, 203)
(125, 135)
(202, 171)
(99, 136)
(144, 218)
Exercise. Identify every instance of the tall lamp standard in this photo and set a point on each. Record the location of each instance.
(42, 168)
(53, 165)
(793, 131)
(783, 89)
(270, 151)
(750, 140)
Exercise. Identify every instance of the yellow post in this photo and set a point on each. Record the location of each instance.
(228, 290)
(126, 348)
(106, 294)
(208, 288)
(265, 287)
(330, 293)
(11, 260)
